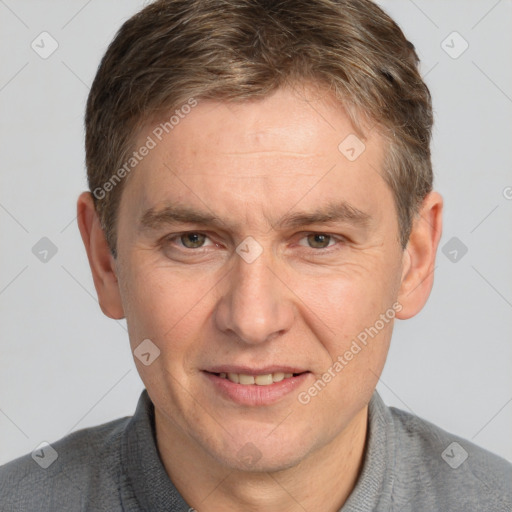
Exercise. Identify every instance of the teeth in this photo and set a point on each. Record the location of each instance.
(263, 380)
(278, 377)
(259, 380)
(245, 379)
(233, 377)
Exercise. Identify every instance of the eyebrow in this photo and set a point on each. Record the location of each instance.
(340, 212)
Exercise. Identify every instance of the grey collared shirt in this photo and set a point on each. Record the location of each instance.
(409, 465)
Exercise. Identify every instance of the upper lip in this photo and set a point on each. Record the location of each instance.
(248, 370)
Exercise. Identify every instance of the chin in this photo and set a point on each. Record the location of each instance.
(262, 463)
(260, 453)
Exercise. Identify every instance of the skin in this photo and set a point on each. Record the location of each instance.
(297, 304)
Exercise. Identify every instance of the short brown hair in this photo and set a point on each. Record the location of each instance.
(234, 50)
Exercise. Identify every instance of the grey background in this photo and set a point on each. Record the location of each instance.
(64, 366)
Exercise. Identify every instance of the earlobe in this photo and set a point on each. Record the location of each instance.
(100, 258)
(419, 257)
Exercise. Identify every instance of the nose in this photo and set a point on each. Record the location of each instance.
(255, 305)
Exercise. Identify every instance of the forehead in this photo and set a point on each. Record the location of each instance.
(269, 153)
(292, 123)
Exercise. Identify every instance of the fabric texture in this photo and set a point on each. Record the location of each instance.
(409, 465)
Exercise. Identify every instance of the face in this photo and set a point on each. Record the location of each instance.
(250, 245)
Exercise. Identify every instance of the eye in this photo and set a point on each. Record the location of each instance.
(190, 240)
(319, 240)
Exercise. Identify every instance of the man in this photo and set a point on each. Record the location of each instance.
(261, 209)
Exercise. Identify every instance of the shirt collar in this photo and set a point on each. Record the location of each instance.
(145, 485)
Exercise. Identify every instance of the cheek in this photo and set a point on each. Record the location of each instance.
(160, 304)
(344, 310)
(349, 299)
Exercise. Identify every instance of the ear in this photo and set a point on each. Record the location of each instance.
(101, 261)
(419, 257)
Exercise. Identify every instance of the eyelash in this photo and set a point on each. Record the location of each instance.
(325, 250)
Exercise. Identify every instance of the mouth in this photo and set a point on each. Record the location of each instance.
(260, 379)
(255, 387)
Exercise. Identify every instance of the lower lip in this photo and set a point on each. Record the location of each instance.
(252, 394)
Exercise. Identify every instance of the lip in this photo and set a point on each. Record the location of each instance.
(247, 370)
(252, 394)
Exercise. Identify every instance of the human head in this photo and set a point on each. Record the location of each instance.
(175, 51)
(250, 158)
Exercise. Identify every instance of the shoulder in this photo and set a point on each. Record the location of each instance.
(446, 471)
(77, 468)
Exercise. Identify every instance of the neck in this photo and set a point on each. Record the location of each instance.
(321, 481)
